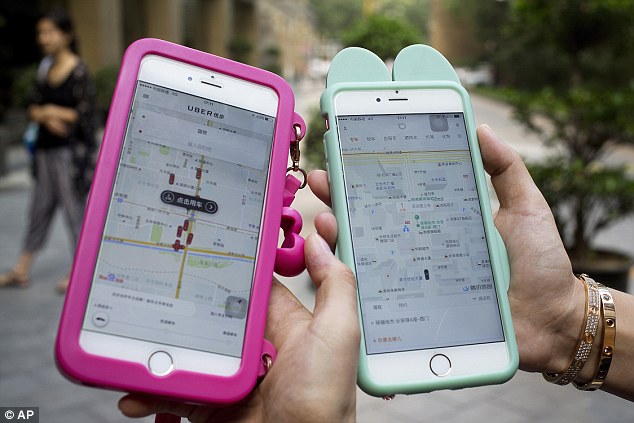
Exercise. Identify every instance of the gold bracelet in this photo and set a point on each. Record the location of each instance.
(608, 343)
(586, 337)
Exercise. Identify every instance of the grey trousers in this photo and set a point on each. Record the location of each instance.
(53, 187)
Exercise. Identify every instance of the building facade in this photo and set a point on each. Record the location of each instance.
(274, 34)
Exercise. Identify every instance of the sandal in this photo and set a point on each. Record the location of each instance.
(13, 278)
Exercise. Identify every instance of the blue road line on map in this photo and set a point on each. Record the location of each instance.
(166, 249)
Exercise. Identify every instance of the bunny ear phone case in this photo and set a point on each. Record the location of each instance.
(408, 190)
(171, 279)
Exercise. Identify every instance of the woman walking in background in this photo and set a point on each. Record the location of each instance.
(62, 105)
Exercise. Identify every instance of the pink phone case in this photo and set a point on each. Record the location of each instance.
(90, 369)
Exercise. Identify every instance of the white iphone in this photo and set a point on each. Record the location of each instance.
(415, 226)
(163, 291)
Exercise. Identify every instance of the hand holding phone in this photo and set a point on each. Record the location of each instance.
(314, 375)
(170, 282)
(415, 225)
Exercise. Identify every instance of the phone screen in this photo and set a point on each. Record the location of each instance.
(178, 251)
(422, 264)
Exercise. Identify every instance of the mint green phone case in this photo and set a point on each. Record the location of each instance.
(415, 67)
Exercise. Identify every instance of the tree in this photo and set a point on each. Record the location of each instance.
(582, 104)
(583, 41)
(382, 35)
(487, 18)
(334, 17)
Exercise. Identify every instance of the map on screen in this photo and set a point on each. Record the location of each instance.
(422, 263)
(178, 250)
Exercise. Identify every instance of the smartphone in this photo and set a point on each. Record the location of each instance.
(170, 284)
(415, 226)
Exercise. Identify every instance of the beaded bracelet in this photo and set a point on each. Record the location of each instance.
(586, 337)
(608, 342)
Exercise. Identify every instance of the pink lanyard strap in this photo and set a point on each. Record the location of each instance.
(289, 260)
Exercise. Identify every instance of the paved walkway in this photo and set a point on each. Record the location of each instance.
(28, 321)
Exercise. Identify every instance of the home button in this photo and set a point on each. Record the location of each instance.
(161, 363)
(440, 365)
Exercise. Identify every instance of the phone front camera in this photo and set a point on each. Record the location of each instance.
(396, 91)
(378, 100)
(189, 78)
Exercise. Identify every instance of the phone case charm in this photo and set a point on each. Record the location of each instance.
(289, 260)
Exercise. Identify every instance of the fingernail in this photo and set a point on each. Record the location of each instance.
(323, 245)
(490, 130)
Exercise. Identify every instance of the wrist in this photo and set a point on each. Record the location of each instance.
(567, 332)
